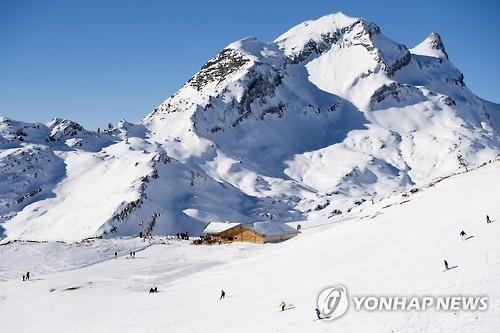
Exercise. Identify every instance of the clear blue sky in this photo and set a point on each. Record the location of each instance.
(99, 61)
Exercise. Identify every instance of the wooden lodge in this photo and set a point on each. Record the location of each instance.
(259, 232)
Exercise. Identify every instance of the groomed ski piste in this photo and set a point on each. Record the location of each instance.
(396, 246)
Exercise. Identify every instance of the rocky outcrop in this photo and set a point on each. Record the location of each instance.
(435, 42)
(218, 69)
(399, 94)
(62, 129)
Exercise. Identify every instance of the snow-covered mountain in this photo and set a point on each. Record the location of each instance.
(320, 122)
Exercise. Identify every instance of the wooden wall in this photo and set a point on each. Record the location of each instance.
(239, 233)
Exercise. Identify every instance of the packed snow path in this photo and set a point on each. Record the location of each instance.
(400, 251)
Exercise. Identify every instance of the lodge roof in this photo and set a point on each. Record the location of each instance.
(218, 227)
(273, 228)
(261, 228)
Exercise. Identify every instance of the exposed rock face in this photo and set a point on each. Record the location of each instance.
(436, 43)
(218, 69)
(62, 129)
(317, 47)
(399, 94)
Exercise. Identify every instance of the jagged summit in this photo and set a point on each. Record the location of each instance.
(322, 31)
(359, 48)
(339, 33)
(431, 46)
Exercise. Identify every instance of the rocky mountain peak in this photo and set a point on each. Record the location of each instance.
(431, 46)
(317, 36)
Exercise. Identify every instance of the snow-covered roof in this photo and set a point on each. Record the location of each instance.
(273, 228)
(218, 227)
(262, 228)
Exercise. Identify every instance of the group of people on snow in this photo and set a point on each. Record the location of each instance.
(26, 277)
(131, 255)
(463, 236)
(182, 235)
(283, 304)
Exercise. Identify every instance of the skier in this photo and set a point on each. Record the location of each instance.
(318, 313)
(463, 235)
(116, 255)
(222, 294)
(133, 253)
(282, 306)
(27, 275)
(24, 277)
(446, 267)
(488, 219)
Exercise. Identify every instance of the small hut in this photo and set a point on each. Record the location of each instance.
(260, 232)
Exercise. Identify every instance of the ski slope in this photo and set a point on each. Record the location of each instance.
(395, 246)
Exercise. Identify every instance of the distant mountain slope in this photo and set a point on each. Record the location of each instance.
(330, 115)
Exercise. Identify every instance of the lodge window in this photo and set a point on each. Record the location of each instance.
(230, 238)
